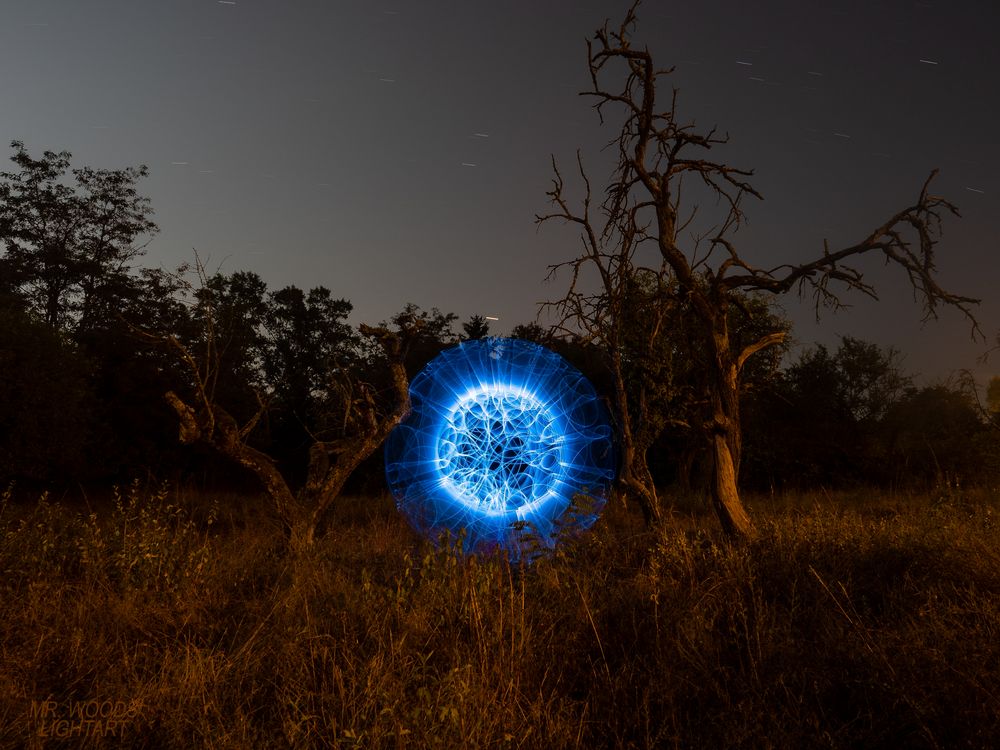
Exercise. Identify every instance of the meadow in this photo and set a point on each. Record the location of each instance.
(165, 618)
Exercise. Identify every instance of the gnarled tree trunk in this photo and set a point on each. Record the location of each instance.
(727, 441)
(656, 152)
(330, 463)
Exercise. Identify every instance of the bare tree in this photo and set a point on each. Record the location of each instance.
(642, 204)
(363, 426)
(605, 317)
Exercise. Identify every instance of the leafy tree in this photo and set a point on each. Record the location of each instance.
(227, 331)
(311, 352)
(532, 332)
(68, 248)
(477, 327)
(642, 207)
(69, 240)
(932, 433)
(307, 337)
(818, 432)
(162, 304)
(870, 378)
(821, 421)
(423, 335)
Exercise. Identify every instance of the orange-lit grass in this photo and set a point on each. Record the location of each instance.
(850, 620)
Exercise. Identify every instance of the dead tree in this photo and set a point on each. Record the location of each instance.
(330, 462)
(605, 317)
(642, 204)
(364, 426)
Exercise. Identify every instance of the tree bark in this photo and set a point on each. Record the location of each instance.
(727, 441)
(301, 513)
(218, 429)
(725, 493)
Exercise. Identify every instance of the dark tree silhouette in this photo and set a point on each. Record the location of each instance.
(477, 327)
(69, 249)
(822, 421)
(931, 435)
(642, 204)
(69, 241)
(308, 337)
(228, 318)
(993, 398)
(47, 403)
(532, 332)
(311, 352)
(423, 334)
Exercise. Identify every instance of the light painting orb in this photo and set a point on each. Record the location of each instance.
(505, 442)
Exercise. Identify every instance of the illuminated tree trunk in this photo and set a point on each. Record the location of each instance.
(727, 441)
(330, 462)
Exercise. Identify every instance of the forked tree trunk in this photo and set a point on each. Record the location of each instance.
(638, 482)
(301, 538)
(330, 463)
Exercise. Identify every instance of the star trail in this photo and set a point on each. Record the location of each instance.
(400, 154)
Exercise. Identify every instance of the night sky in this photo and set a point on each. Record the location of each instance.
(398, 152)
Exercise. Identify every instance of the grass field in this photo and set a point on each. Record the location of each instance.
(163, 619)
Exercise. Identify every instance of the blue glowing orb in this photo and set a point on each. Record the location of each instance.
(505, 440)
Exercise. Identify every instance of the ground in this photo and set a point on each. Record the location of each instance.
(174, 619)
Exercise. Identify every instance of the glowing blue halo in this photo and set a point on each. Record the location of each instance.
(502, 435)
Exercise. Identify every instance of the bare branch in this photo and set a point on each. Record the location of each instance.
(190, 432)
(771, 339)
(923, 218)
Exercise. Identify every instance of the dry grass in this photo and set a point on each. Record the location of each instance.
(849, 622)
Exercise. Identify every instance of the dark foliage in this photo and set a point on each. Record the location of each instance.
(81, 392)
(49, 411)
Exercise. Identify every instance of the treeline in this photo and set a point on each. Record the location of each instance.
(90, 342)
(853, 417)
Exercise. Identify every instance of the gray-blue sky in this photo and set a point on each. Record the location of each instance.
(398, 152)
